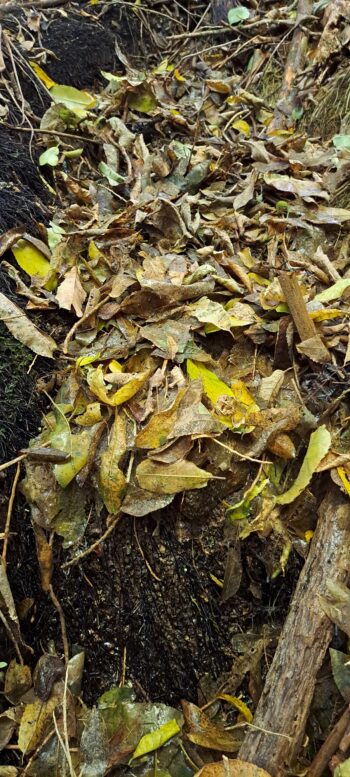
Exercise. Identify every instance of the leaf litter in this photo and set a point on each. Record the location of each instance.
(203, 312)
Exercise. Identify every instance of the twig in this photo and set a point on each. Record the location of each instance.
(8, 464)
(9, 511)
(12, 637)
(209, 31)
(147, 9)
(59, 609)
(159, 579)
(235, 452)
(50, 132)
(39, 4)
(92, 547)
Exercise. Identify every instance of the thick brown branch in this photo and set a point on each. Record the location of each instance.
(287, 695)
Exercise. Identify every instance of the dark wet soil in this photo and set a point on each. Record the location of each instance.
(145, 605)
(23, 197)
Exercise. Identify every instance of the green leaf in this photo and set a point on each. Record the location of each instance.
(156, 739)
(143, 100)
(341, 672)
(50, 156)
(341, 141)
(75, 100)
(30, 259)
(80, 446)
(343, 770)
(162, 478)
(112, 176)
(333, 292)
(238, 14)
(319, 444)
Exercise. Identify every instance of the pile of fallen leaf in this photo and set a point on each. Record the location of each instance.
(204, 267)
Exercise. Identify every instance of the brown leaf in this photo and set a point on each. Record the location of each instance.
(231, 768)
(18, 680)
(202, 731)
(24, 330)
(70, 293)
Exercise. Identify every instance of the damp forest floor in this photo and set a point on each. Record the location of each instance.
(174, 385)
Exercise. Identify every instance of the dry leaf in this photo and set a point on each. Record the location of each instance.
(171, 478)
(70, 293)
(231, 768)
(24, 330)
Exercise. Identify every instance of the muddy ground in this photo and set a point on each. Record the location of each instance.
(145, 605)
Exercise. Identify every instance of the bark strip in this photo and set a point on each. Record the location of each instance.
(284, 705)
(294, 65)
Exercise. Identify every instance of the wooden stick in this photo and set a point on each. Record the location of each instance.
(284, 704)
(330, 745)
(295, 301)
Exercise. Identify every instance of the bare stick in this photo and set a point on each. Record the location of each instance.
(295, 300)
(59, 609)
(284, 704)
(9, 511)
(92, 547)
(324, 755)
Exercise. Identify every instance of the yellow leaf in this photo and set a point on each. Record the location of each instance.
(35, 721)
(96, 381)
(258, 279)
(346, 483)
(82, 361)
(325, 315)
(281, 132)
(319, 444)
(30, 259)
(239, 704)
(242, 126)
(94, 252)
(170, 478)
(91, 416)
(178, 76)
(74, 99)
(215, 389)
(308, 535)
(157, 738)
(115, 366)
(44, 78)
(111, 478)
